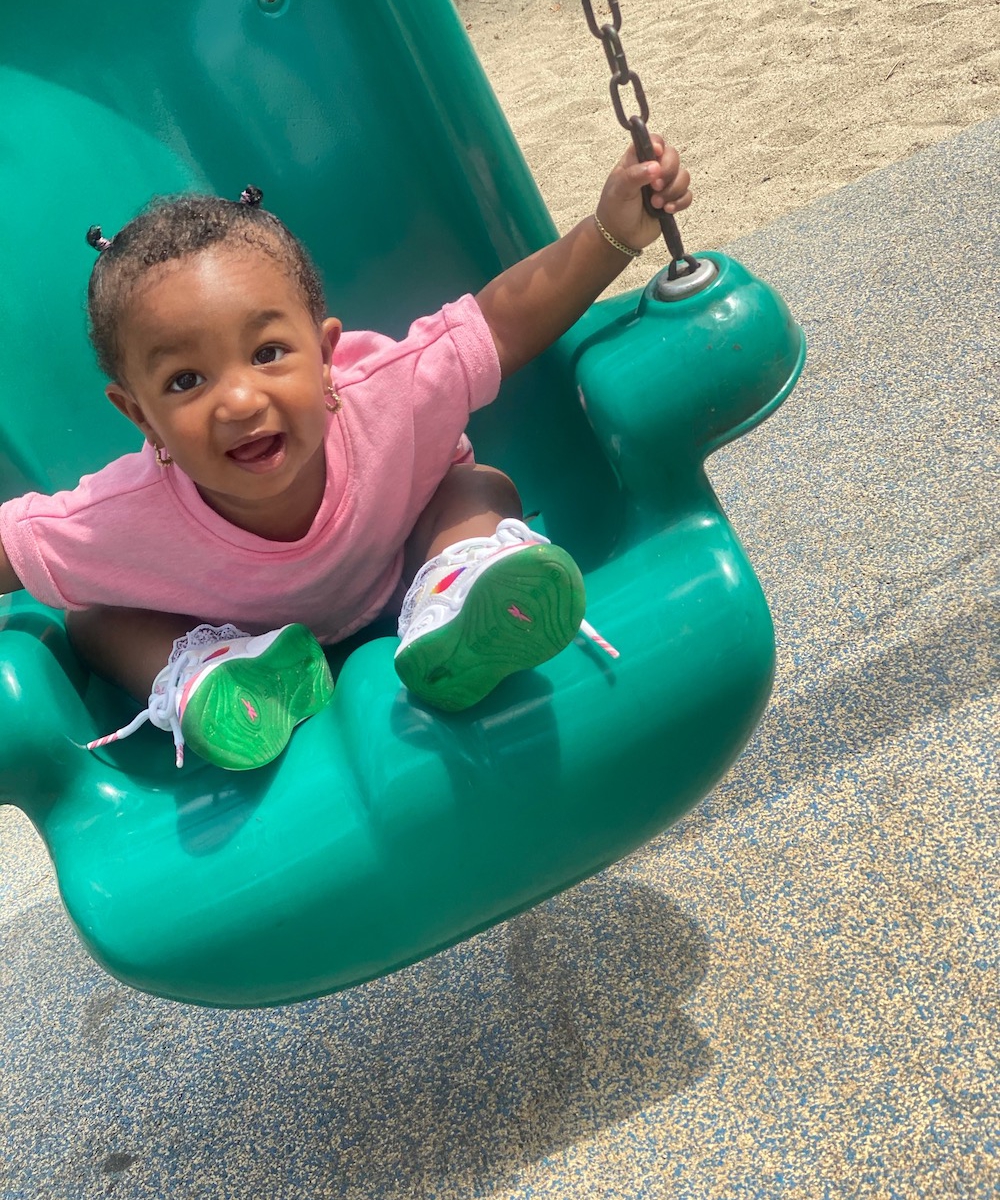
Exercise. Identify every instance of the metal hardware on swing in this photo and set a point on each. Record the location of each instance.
(622, 76)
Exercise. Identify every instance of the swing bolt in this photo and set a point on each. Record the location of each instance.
(623, 76)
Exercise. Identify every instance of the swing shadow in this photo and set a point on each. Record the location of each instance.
(867, 701)
(458, 1072)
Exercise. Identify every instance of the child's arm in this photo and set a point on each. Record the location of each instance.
(535, 301)
(9, 581)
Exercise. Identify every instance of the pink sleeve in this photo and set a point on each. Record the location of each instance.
(447, 356)
(67, 548)
(17, 534)
(476, 350)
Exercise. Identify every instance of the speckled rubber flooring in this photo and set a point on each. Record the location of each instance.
(792, 993)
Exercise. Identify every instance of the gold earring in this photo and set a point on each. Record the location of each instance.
(331, 391)
(163, 459)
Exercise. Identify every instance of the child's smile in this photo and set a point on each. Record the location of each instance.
(224, 367)
(259, 453)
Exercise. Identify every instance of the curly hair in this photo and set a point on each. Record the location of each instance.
(171, 227)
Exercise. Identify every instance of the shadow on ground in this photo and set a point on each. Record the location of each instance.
(465, 1068)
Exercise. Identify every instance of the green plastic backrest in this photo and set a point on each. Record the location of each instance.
(385, 831)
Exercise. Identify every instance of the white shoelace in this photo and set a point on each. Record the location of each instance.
(161, 710)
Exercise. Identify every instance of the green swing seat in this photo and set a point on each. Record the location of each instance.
(385, 832)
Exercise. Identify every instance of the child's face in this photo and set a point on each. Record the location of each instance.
(225, 368)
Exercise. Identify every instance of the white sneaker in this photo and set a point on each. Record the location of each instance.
(483, 609)
(233, 698)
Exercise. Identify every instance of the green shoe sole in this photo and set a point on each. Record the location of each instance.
(518, 614)
(244, 712)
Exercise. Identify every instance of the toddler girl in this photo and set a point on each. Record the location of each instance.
(299, 481)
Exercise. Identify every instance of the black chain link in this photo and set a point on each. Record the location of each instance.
(623, 76)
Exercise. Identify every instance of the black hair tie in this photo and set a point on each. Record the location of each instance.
(251, 196)
(95, 239)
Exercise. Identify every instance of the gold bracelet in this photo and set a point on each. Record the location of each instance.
(609, 237)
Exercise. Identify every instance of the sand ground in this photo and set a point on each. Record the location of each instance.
(773, 103)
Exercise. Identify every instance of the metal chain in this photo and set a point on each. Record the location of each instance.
(623, 76)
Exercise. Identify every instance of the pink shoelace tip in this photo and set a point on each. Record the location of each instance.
(589, 631)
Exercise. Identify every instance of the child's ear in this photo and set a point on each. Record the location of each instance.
(122, 399)
(329, 333)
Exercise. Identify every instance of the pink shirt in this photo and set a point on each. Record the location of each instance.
(140, 536)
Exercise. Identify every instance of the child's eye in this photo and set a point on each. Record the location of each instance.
(185, 381)
(269, 354)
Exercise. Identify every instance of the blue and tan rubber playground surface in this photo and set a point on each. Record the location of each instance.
(790, 993)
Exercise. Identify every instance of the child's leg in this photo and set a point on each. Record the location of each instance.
(234, 698)
(488, 598)
(471, 501)
(128, 646)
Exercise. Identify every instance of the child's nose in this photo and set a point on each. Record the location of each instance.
(240, 398)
